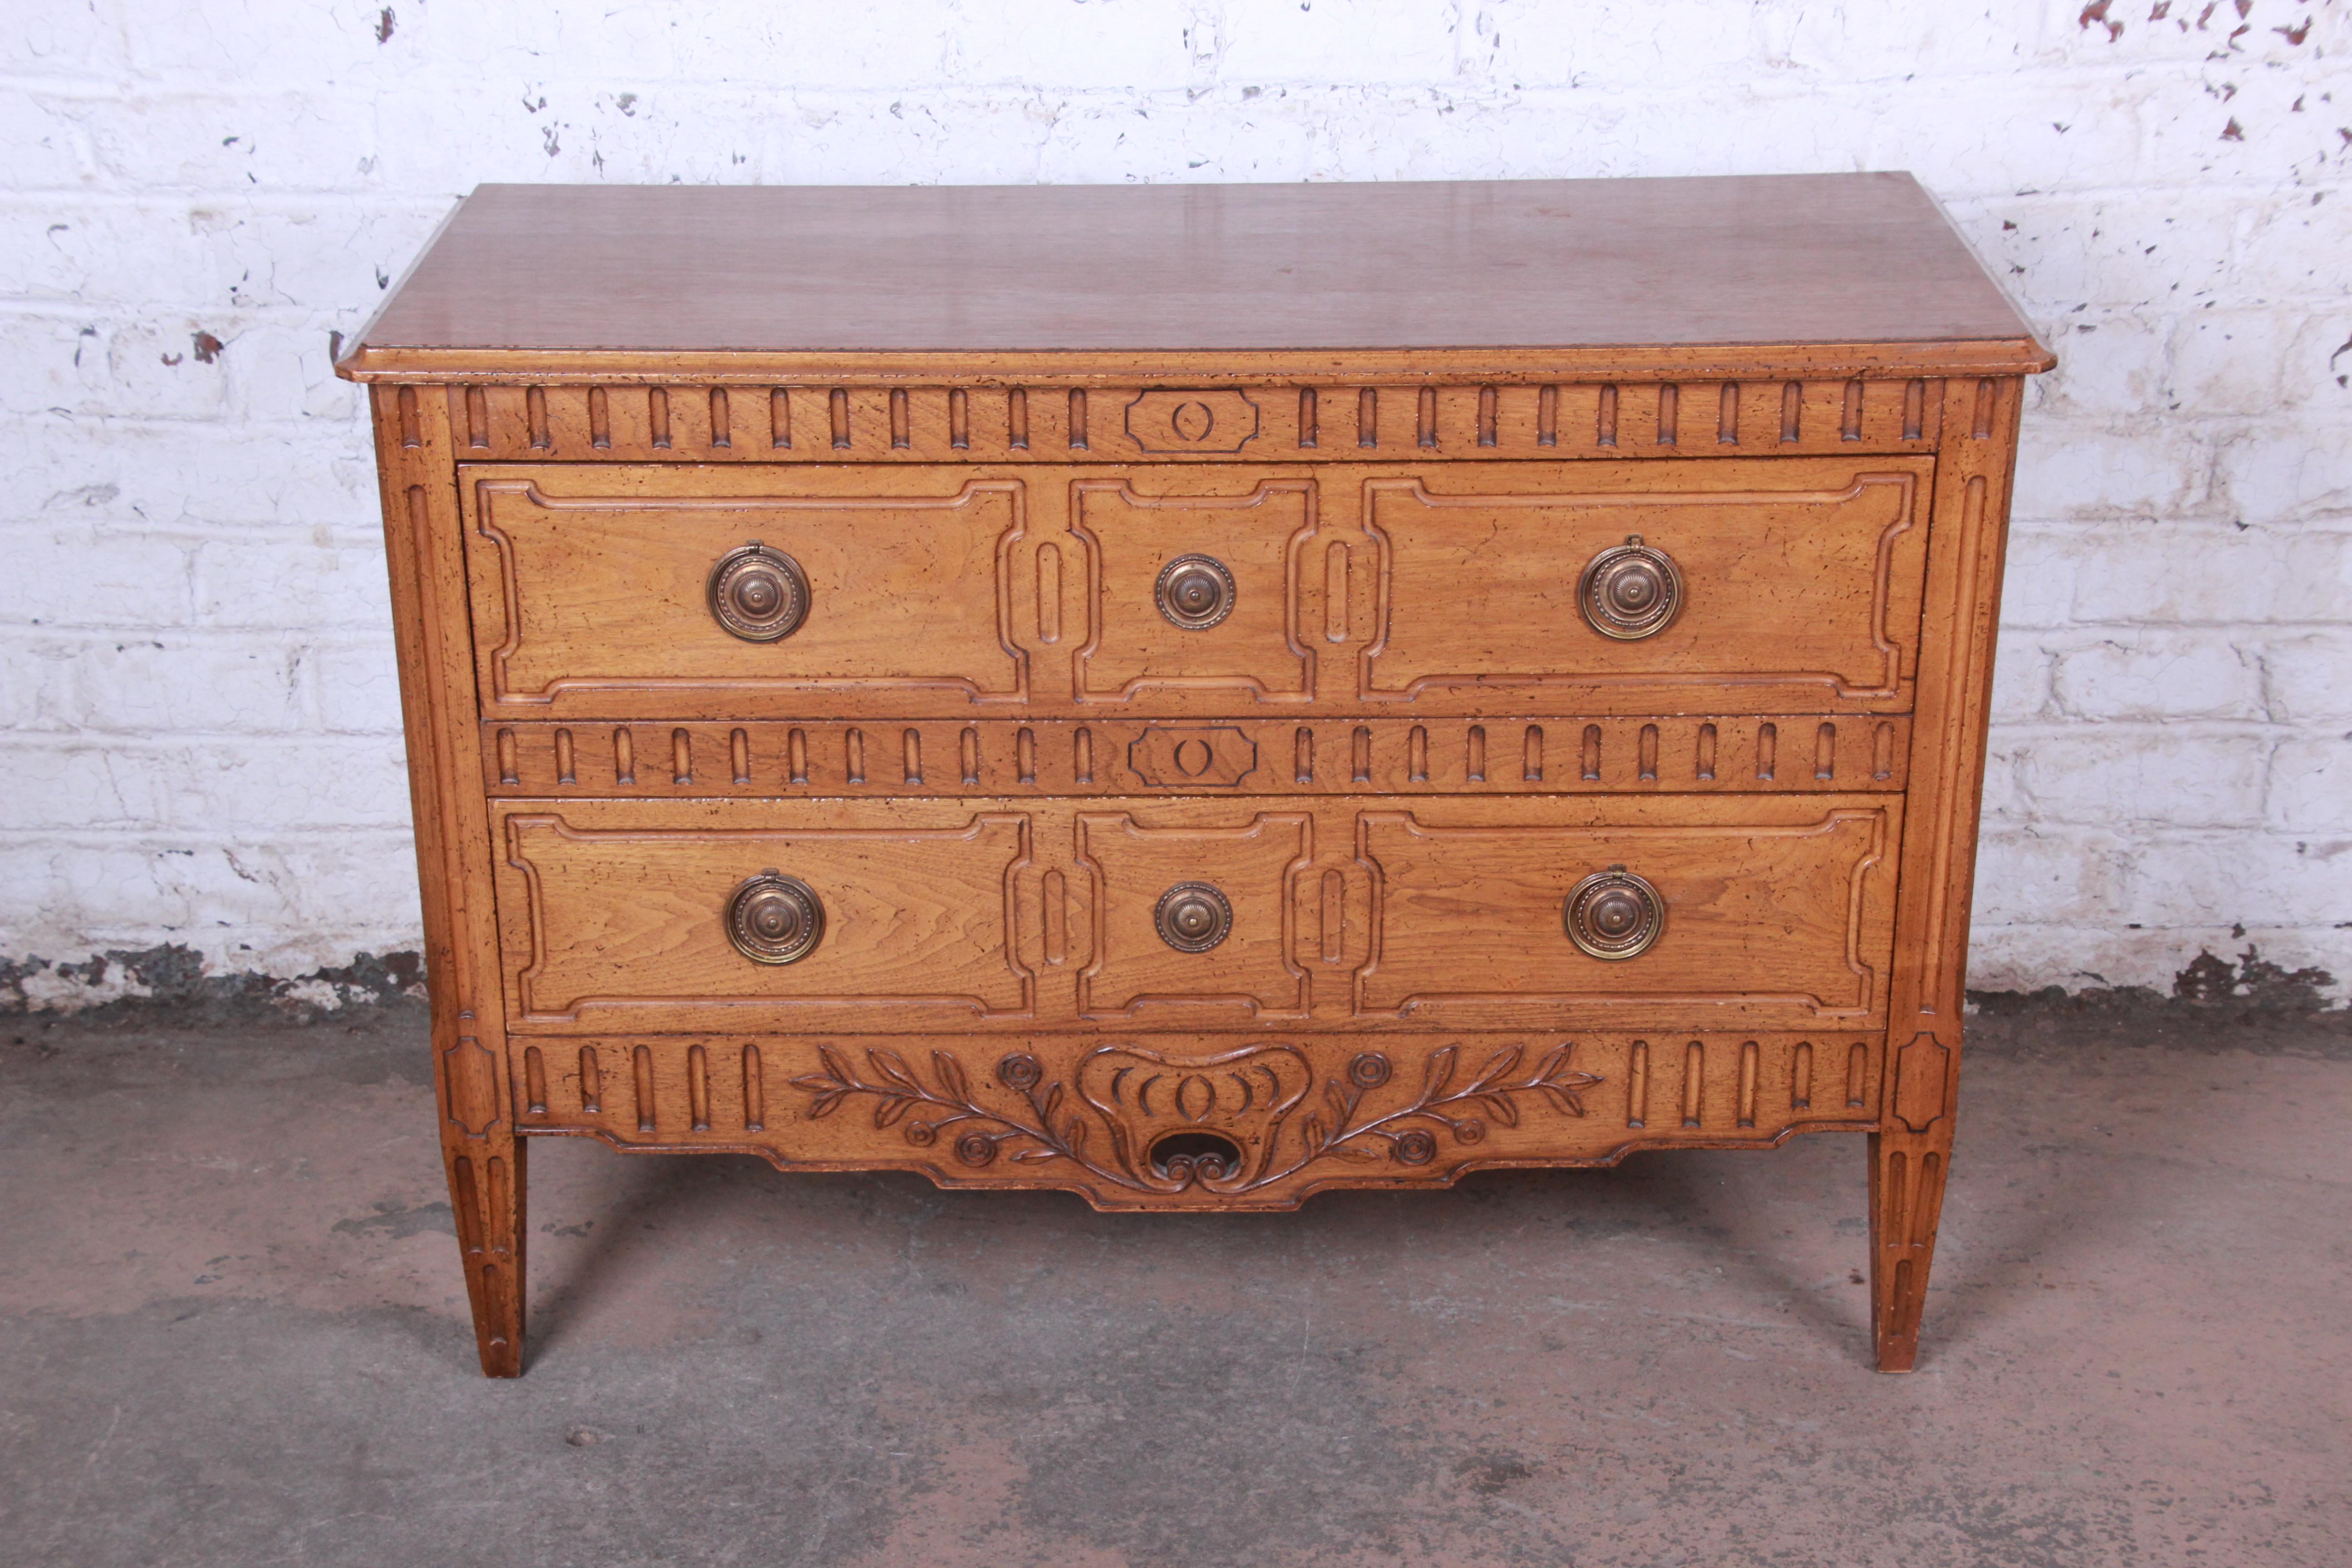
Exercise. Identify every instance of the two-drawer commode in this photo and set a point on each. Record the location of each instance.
(1197, 695)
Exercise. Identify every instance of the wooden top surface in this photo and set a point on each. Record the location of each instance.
(834, 273)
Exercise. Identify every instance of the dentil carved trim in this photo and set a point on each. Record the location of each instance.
(1468, 417)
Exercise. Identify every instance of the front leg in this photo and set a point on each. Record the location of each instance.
(483, 1158)
(1907, 1193)
(486, 1194)
(1910, 1157)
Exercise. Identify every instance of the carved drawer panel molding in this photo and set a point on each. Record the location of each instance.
(1795, 577)
(600, 599)
(607, 591)
(1779, 913)
(1479, 676)
(608, 918)
(1011, 915)
(1188, 1120)
(1246, 958)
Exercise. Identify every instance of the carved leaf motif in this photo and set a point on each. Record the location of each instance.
(893, 1067)
(1561, 1098)
(1492, 1091)
(953, 1081)
(1559, 1082)
(1497, 1065)
(1440, 1073)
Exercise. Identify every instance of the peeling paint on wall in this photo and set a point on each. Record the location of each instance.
(202, 713)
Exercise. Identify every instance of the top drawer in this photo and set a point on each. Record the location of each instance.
(1756, 586)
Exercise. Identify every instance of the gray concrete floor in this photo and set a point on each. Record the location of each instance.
(232, 1332)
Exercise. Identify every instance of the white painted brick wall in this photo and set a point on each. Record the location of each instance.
(202, 744)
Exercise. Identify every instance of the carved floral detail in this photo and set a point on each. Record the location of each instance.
(1223, 1123)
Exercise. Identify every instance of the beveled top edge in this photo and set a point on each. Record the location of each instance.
(1087, 280)
(1635, 362)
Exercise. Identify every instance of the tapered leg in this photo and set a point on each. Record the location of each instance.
(1910, 1155)
(486, 1194)
(481, 1154)
(1907, 1193)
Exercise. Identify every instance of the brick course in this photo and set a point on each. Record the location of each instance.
(198, 682)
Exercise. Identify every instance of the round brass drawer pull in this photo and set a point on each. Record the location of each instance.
(1614, 914)
(1192, 917)
(758, 594)
(775, 919)
(1195, 592)
(1630, 590)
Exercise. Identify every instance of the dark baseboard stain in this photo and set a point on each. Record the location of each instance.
(169, 981)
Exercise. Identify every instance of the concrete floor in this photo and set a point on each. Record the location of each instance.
(232, 1332)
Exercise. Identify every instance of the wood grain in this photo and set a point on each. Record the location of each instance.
(1780, 914)
(583, 598)
(1362, 588)
(940, 914)
(1402, 419)
(1910, 1160)
(1307, 418)
(621, 909)
(1802, 574)
(874, 272)
(482, 1158)
(1709, 754)
(895, 1126)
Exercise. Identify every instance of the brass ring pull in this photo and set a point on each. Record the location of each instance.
(1194, 592)
(1630, 590)
(1614, 914)
(1192, 917)
(775, 919)
(758, 594)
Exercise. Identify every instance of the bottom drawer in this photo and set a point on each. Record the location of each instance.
(1010, 917)
(1197, 1120)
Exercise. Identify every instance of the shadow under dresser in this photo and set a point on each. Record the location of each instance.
(1197, 695)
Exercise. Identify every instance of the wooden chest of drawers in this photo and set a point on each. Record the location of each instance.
(1196, 695)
